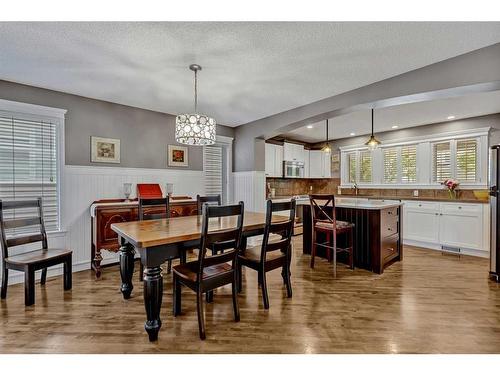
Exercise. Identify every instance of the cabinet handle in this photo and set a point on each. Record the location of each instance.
(389, 229)
(440, 214)
(436, 214)
(459, 207)
(419, 205)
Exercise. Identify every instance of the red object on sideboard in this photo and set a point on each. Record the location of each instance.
(149, 191)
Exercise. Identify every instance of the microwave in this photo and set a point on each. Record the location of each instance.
(293, 169)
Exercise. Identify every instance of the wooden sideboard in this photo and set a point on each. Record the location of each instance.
(103, 213)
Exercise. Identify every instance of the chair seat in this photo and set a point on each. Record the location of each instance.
(327, 225)
(189, 270)
(37, 256)
(252, 254)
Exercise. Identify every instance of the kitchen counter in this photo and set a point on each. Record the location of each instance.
(397, 198)
(360, 203)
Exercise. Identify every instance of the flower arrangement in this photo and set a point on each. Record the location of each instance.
(452, 186)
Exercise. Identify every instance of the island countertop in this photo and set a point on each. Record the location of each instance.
(359, 203)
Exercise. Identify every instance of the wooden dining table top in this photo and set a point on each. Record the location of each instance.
(150, 233)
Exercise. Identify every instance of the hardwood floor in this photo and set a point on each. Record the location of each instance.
(429, 303)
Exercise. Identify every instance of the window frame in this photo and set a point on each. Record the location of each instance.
(424, 162)
(56, 116)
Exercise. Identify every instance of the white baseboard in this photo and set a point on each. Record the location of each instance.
(437, 247)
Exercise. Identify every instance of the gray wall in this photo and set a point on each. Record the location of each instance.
(144, 135)
(472, 72)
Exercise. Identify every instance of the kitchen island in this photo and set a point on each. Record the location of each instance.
(377, 230)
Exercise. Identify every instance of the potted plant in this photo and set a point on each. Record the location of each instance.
(451, 185)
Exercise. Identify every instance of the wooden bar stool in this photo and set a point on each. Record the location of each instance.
(324, 221)
(31, 261)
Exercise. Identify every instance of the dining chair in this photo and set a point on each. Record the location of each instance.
(34, 260)
(324, 221)
(272, 253)
(210, 272)
(211, 200)
(151, 209)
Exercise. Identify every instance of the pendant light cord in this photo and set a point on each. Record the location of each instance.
(372, 122)
(195, 91)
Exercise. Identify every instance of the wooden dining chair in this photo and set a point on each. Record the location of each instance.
(208, 273)
(34, 260)
(211, 200)
(151, 209)
(324, 221)
(271, 254)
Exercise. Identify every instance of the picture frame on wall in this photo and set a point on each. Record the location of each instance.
(177, 156)
(104, 150)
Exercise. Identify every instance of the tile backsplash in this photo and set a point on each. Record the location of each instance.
(287, 187)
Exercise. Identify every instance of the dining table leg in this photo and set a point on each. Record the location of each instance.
(153, 292)
(127, 253)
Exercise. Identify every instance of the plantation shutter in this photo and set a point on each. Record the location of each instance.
(28, 168)
(441, 161)
(391, 165)
(408, 163)
(467, 160)
(212, 167)
(352, 167)
(365, 165)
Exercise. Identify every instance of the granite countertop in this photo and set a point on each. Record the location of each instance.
(410, 198)
(360, 203)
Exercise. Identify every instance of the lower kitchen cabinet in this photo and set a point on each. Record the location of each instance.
(449, 226)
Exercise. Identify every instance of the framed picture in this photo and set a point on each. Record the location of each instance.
(104, 150)
(177, 156)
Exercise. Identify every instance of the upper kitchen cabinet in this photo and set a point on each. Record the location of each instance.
(306, 163)
(293, 152)
(319, 164)
(274, 160)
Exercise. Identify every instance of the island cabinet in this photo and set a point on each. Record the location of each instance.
(106, 212)
(377, 233)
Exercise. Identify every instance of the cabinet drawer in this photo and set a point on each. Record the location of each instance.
(389, 220)
(461, 208)
(421, 205)
(389, 247)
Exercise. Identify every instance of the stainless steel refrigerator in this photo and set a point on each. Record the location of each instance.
(494, 175)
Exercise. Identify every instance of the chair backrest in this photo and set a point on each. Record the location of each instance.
(231, 237)
(322, 207)
(154, 204)
(210, 199)
(6, 224)
(284, 228)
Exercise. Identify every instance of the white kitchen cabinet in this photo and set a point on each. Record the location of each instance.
(306, 163)
(421, 221)
(319, 164)
(274, 160)
(447, 226)
(293, 152)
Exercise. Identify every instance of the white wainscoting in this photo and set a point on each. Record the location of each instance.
(250, 187)
(81, 185)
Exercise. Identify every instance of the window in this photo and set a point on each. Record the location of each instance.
(390, 165)
(466, 160)
(441, 161)
(212, 160)
(352, 167)
(365, 166)
(29, 167)
(409, 164)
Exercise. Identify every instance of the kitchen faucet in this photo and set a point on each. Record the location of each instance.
(356, 188)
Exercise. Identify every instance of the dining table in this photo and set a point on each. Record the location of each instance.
(157, 241)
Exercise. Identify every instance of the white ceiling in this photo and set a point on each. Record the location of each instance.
(402, 116)
(250, 70)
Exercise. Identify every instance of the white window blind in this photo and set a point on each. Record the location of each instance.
(390, 157)
(352, 167)
(408, 163)
(441, 161)
(467, 160)
(212, 167)
(28, 167)
(365, 166)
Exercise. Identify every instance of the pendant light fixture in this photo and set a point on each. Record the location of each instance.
(194, 128)
(373, 142)
(326, 148)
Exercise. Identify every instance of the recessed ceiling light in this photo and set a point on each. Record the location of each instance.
(450, 117)
(394, 126)
(309, 126)
(351, 134)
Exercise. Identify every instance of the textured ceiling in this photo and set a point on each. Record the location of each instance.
(250, 70)
(402, 116)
